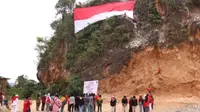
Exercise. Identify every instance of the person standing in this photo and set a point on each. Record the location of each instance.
(141, 103)
(124, 103)
(56, 104)
(130, 104)
(6, 101)
(48, 102)
(86, 103)
(96, 97)
(94, 101)
(151, 101)
(134, 103)
(63, 101)
(43, 102)
(68, 105)
(1, 98)
(77, 103)
(91, 103)
(72, 103)
(27, 105)
(14, 104)
(81, 104)
(146, 104)
(38, 102)
(99, 103)
(113, 103)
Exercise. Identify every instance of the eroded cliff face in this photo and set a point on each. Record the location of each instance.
(151, 43)
(50, 71)
(179, 72)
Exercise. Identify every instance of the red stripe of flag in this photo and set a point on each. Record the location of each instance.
(85, 13)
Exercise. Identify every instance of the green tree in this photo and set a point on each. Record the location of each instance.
(41, 46)
(75, 86)
(25, 87)
(21, 81)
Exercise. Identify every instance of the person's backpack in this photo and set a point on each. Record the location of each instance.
(134, 102)
(99, 101)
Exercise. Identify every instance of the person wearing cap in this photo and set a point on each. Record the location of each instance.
(14, 104)
(124, 103)
(113, 103)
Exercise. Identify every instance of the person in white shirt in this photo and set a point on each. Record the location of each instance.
(14, 104)
(72, 103)
(48, 102)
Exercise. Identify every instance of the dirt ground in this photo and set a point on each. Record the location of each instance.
(162, 104)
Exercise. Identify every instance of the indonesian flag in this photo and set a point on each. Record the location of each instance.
(86, 16)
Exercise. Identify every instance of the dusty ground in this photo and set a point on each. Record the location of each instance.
(170, 104)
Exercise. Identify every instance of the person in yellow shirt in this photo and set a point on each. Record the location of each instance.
(99, 103)
(63, 100)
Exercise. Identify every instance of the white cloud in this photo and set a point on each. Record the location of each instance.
(21, 22)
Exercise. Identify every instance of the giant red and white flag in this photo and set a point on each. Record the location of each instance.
(86, 16)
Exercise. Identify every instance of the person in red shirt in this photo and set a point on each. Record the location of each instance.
(151, 101)
(96, 97)
(149, 90)
(66, 97)
(146, 104)
(27, 105)
(43, 102)
(68, 102)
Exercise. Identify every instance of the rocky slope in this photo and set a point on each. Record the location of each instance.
(179, 72)
(125, 55)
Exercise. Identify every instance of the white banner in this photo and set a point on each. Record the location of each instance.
(91, 86)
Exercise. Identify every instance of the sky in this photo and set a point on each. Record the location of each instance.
(21, 21)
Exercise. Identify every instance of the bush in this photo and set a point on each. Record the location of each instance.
(93, 40)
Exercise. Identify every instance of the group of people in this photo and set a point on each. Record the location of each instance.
(80, 103)
(93, 103)
(84, 103)
(145, 104)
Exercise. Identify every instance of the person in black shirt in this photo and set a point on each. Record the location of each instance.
(81, 104)
(76, 103)
(141, 100)
(134, 103)
(113, 103)
(124, 103)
